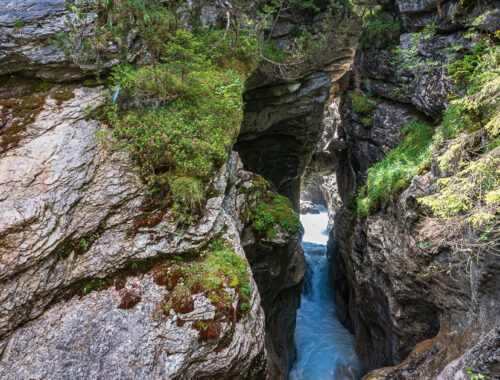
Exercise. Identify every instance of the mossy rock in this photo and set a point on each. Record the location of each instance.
(62, 96)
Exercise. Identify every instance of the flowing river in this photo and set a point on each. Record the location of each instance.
(325, 348)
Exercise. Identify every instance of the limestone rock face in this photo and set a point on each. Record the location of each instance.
(392, 305)
(26, 27)
(368, 145)
(319, 182)
(70, 212)
(69, 219)
(91, 338)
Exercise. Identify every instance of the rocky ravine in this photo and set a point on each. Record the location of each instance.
(70, 221)
(59, 186)
(283, 120)
(433, 327)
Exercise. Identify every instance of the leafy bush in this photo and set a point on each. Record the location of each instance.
(178, 115)
(379, 30)
(472, 120)
(393, 174)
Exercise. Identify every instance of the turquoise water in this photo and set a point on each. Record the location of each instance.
(325, 348)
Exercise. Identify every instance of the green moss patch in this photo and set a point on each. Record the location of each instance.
(211, 273)
(364, 105)
(83, 244)
(274, 211)
(17, 114)
(62, 96)
(16, 86)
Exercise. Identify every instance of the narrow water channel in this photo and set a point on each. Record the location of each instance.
(325, 348)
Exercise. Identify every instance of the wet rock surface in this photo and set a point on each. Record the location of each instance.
(274, 141)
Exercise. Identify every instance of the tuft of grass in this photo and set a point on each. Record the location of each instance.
(393, 174)
(188, 192)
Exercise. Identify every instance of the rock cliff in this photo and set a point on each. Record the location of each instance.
(284, 119)
(83, 248)
(428, 323)
(71, 222)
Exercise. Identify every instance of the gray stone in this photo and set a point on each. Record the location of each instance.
(368, 145)
(416, 6)
(423, 326)
(26, 48)
(59, 186)
(274, 141)
(91, 338)
(278, 266)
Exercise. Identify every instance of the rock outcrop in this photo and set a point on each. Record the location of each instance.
(278, 270)
(69, 220)
(80, 240)
(281, 128)
(433, 324)
(28, 30)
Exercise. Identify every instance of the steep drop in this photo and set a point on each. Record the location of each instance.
(325, 348)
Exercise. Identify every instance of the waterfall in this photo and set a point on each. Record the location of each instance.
(325, 348)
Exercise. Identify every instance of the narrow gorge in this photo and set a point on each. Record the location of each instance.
(250, 189)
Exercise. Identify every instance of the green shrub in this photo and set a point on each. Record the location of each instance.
(363, 104)
(468, 202)
(464, 70)
(187, 136)
(393, 174)
(179, 114)
(379, 30)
